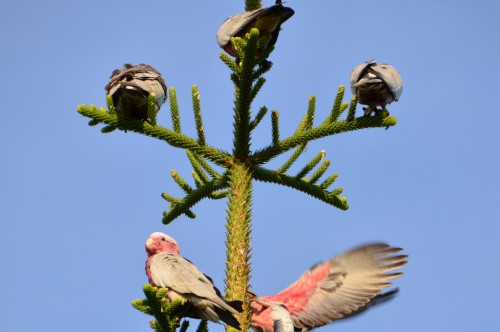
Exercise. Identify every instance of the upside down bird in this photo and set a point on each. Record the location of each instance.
(268, 20)
(376, 84)
(130, 88)
(342, 287)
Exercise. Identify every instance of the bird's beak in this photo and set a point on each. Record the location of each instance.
(149, 243)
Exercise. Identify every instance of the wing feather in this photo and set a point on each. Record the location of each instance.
(341, 286)
(180, 275)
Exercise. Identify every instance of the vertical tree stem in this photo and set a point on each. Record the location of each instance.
(252, 4)
(238, 239)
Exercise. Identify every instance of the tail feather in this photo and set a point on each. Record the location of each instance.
(236, 305)
(227, 317)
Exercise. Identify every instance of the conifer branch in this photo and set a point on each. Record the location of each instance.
(295, 155)
(174, 110)
(256, 88)
(275, 126)
(264, 155)
(238, 240)
(197, 115)
(232, 65)
(167, 314)
(152, 112)
(194, 197)
(197, 168)
(330, 197)
(327, 183)
(352, 108)
(311, 109)
(219, 194)
(171, 137)
(252, 4)
(260, 115)
(246, 50)
(338, 106)
(311, 164)
(204, 164)
(111, 106)
(319, 172)
(181, 182)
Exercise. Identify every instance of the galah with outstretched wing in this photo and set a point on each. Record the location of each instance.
(130, 88)
(339, 288)
(166, 268)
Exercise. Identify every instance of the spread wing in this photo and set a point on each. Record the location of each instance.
(342, 286)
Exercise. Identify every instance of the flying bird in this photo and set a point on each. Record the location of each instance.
(339, 288)
(376, 85)
(268, 20)
(130, 88)
(167, 269)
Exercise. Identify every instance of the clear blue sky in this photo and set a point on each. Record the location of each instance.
(77, 205)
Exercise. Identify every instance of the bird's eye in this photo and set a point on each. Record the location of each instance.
(163, 239)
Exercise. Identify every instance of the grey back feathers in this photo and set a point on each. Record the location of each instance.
(185, 281)
(130, 88)
(376, 84)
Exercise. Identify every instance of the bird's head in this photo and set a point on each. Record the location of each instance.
(161, 242)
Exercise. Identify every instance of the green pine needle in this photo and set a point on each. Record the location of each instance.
(352, 108)
(181, 182)
(275, 126)
(197, 115)
(311, 164)
(320, 171)
(260, 115)
(174, 110)
(152, 109)
(293, 158)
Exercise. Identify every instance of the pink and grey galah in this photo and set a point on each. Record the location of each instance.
(167, 269)
(342, 287)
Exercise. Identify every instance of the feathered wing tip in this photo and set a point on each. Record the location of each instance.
(228, 317)
(379, 299)
(344, 286)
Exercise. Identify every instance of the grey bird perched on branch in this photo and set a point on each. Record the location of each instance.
(268, 20)
(130, 88)
(376, 85)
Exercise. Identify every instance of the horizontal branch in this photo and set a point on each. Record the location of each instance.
(332, 198)
(173, 138)
(262, 156)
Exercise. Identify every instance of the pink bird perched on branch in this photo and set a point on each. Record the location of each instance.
(342, 287)
(167, 269)
(339, 288)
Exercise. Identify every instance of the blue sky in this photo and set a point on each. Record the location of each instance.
(78, 205)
